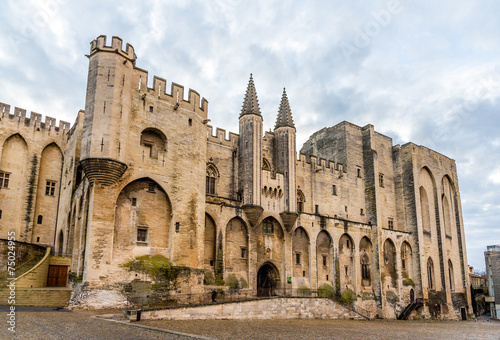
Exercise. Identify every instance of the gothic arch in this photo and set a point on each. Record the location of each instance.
(431, 279)
(49, 184)
(236, 248)
(366, 261)
(406, 260)
(210, 243)
(13, 167)
(451, 275)
(142, 218)
(346, 262)
(389, 266)
(155, 140)
(428, 200)
(270, 245)
(300, 253)
(266, 165)
(324, 258)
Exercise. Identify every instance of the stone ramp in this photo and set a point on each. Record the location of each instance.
(272, 308)
(40, 297)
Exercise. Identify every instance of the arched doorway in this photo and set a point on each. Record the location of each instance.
(267, 280)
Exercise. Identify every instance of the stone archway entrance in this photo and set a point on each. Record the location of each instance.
(267, 280)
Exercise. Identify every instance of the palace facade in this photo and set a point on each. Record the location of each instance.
(141, 173)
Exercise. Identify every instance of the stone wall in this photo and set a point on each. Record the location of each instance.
(277, 308)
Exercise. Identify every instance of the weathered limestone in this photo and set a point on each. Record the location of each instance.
(141, 173)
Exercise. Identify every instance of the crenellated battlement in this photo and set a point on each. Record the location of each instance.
(321, 164)
(176, 95)
(137, 79)
(34, 120)
(99, 45)
(220, 137)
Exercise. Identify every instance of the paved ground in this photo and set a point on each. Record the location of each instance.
(51, 324)
(333, 329)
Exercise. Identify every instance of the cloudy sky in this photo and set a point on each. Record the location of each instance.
(422, 72)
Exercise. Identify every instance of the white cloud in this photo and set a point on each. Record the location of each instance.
(431, 75)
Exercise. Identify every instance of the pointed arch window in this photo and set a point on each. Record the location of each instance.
(300, 201)
(266, 165)
(365, 267)
(430, 273)
(212, 175)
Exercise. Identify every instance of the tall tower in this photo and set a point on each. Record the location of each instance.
(250, 148)
(285, 152)
(107, 106)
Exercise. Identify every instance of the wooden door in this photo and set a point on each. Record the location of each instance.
(57, 276)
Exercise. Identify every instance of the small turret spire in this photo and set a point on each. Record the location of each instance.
(284, 113)
(251, 103)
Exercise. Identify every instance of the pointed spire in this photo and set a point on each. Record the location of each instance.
(284, 113)
(251, 103)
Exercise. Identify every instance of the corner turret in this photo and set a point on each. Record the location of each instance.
(285, 158)
(250, 153)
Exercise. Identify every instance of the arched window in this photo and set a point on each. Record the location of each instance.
(266, 165)
(450, 274)
(300, 201)
(39, 219)
(211, 177)
(430, 273)
(155, 140)
(424, 208)
(365, 267)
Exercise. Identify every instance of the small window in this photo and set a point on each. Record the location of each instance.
(0, 214)
(39, 219)
(347, 244)
(50, 188)
(345, 208)
(346, 270)
(358, 172)
(361, 212)
(390, 223)
(334, 190)
(403, 263)
(267, 227)
(211, 263)
(190, 122)
(4, 179)
(152, 187)
(304, 273)
(381, 180)
(38, 239)
(134, 201)
(243, 253)
(177, 227)
(326, 277)
(324, 260)
(142, 234)
(297, 258)
(151, 109)
(316, 209)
